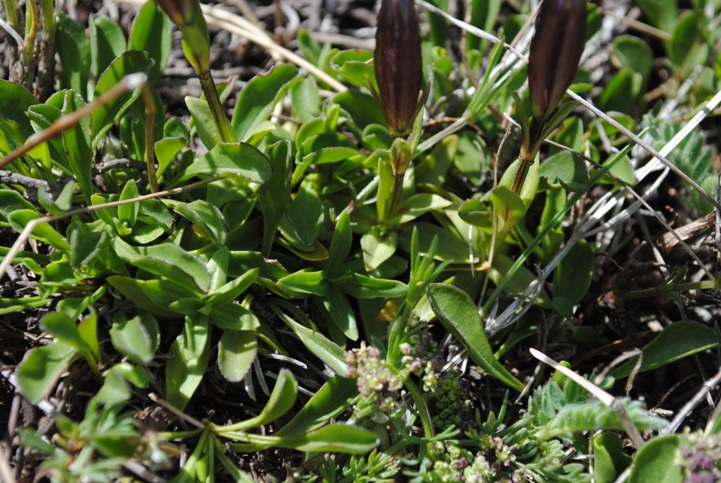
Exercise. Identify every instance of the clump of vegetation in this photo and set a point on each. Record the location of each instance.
(362, 270)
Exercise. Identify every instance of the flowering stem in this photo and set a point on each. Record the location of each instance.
(216, 107)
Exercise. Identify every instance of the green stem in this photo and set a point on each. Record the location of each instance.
(216, 107)
(150, 137)
(31, 30)
(11, 13)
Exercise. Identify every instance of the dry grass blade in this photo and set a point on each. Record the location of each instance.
(599, 394)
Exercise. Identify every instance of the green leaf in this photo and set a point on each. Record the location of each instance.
(43, 232)
(151, 32)
(233, 289)
(128, 213)
(341, 312)
(231, 158)
(107, 42)
(324, 349)
(234, 316)
(678, 340)
(662, 13)
(236, 351)
(573, 275)
(73, 49)
(355, 67)
(304, 282)
(566, 168)
(203, 121)
(154, 296)
(609, 460)
(340, 244)
(336, 438)
(106, 115)
(206, 218)
(417, 205)
(190, 355)
(167, 260)
(11, 201)
(621, 92)
(684, 39)
(305, 214)
(361, 107)
(621, 169)
(281, 400)
(88, 330)
(509, 210)
(138, 338)
(115, 389)
(40, 369)
(274, 196)
(64, 328)
(14, 101)
(458, 314)
(259, 97)
(657, 461)
(364, 287)
(377, 247)
(305, 99)
(328, 402)
(633, 53)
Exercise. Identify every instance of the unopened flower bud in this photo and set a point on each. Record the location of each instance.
(180, 12)
(556, 50)
(398, 64)
(186, 14)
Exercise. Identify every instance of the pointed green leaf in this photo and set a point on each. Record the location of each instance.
(281, 400)
(678, 340)
(167, 260)
(274, 196)
(458, 314)
(330, 400)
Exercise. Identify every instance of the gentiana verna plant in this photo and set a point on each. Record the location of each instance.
(399, 76)
(332, 283)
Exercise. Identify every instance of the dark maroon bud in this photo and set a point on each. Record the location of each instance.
(181, 12)
(398, 64)
(556, 50)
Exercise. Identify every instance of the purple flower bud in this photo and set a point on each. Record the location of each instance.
(556, 49)
(181, 12)
(398, 64)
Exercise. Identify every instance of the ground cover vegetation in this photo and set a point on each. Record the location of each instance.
(265, 242)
